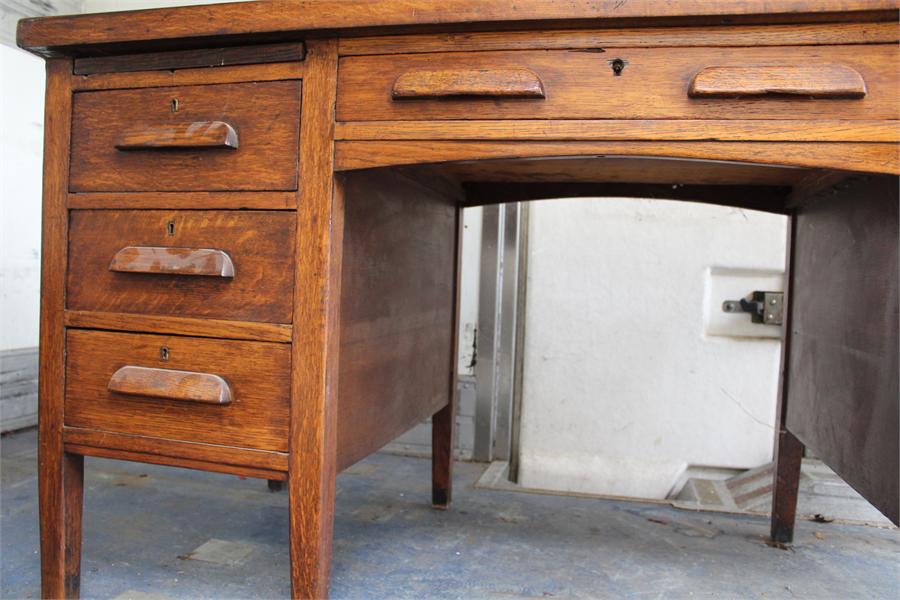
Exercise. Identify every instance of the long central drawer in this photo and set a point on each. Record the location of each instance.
(798, 82)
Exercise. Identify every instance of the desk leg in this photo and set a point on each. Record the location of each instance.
(788, 449)
(442, 426)
(315, 334)
(60, 475)
(443, 422)
(786, 484)
(61, 509)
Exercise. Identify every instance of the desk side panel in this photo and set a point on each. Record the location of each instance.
(396, 309)
(843, 386)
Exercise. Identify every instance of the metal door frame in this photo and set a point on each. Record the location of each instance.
(501, 300)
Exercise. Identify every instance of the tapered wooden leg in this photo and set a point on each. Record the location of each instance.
(316, 333)
(788, 449)
(786, 484)
(59, 474)
(73, 476)
(442, 426)
(311, 524)
(443, 422)
(61, 501)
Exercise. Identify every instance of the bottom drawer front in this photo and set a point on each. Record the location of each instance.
(224, 392)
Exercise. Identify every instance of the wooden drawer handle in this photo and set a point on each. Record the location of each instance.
(820, 81)
(507, 83)
(160, 260)
(169, 384)
(192, 136)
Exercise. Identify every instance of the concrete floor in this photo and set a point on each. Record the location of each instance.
(153, 532)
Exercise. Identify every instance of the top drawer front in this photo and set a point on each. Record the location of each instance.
(648, 83)
(242, 136)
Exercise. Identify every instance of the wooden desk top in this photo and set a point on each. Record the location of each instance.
(92, 34)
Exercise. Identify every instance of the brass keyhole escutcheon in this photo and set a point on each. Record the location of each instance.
(170, 228)
(618, 65)
(174, 104)
(163, 353)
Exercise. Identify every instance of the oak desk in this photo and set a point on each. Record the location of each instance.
(251, 216)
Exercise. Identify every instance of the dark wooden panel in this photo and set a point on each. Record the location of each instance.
(843, 394)
(265, 116)
(184, 59)
(755, 197)
(258, 374)
(652, 83)
(257, 242)
(396, 309)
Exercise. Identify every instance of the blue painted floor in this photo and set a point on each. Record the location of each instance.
(148, 533)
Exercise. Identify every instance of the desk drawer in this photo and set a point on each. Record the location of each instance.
(838, 82)
(235, 265)
(224, 392)
(242, 136)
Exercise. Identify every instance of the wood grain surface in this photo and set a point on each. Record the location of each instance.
(449, 83)
(180, 77)
(200, 327)
(443, 422)
(621, 169)
(195, 455)
(316, 334)
(808, 81)
(843, 374)
(170, 384)
(204, 200)
(58, 560)
(266, 117)
(396, 309)
(182, 59)
(849, 156)
(653, 84)
(600, 40)
(256, 241)
(164, 260)
(734, 130)
(184, 136)
(76, 34)
(257, 373)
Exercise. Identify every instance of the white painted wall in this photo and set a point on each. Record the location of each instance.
(21, 144)
(625, 388)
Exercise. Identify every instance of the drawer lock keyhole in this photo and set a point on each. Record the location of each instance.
(618, 65)
(174, 104)
(170, 228)
(164, 353)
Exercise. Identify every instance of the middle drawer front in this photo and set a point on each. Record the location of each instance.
(235, 265)
(223, 392)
